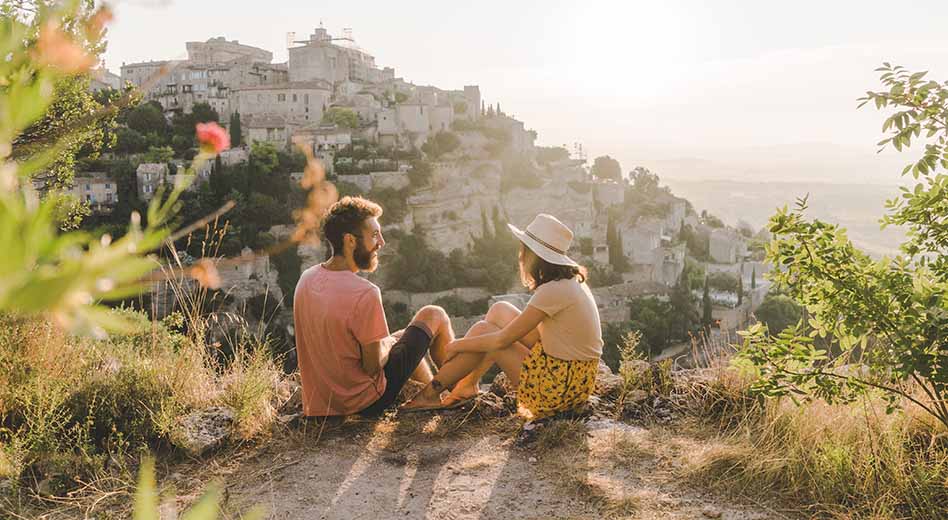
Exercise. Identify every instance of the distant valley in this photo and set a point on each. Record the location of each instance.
(856, 207)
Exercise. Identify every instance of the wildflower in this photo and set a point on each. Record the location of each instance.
(55, 49)
(205, 273)
(212, 137)
(97, 22)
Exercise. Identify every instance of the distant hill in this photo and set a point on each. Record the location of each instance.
(818, 162)
(856, 207)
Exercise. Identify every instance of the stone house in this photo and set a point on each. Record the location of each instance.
(318, 58)
(267, 129)
(298, 103)
(608, 193)
(149, 177)
(727, 246)
(96, 189)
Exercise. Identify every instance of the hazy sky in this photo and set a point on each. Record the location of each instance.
(637, 80)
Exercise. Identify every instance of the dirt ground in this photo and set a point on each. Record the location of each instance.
(458, 466)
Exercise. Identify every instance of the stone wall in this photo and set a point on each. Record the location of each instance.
(415, 301)
(364, 182)
(393, 180)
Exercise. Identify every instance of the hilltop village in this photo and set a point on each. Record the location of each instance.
(449, 169)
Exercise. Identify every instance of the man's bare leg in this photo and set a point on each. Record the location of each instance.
(467, 368)
(436, 320)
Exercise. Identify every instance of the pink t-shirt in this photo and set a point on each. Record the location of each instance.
(334, 313)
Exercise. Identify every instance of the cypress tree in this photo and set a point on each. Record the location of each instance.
(754, 278)
(740, 289)
(706, 305)
(235, 129)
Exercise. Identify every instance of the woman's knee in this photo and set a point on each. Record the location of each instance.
(432, 316)
(502, 313)
(480, 328)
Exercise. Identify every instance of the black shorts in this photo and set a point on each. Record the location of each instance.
(403, 359)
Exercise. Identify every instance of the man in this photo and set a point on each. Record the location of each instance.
(349, 362)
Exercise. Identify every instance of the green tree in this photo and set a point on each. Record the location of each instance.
(441, 143)
(889, 314)
(341, 117)
(778, 311)
(754, 278)
(683, 316)
(605, 167)
(148, 118)
(706, 307)
(236, 132)
(651, 317)
(158, 154)
(740, 290)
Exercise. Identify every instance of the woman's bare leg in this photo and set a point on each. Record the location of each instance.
(467, 368)
(498, 316)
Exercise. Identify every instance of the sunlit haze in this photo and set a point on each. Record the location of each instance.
(666, 84)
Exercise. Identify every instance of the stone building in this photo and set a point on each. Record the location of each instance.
(319, 58)
(213, 69)
(95, 189)
(281, 109)
(149, 177)
(102, 79)
(727, 246)
(219, 50)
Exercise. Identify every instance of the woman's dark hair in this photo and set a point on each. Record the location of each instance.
(347, 216)
(540, 271)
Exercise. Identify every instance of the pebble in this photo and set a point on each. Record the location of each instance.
(532, 460)
(710, 512)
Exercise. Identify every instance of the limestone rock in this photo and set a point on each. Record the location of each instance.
(607, 383)
(204, 430)
(711, 512)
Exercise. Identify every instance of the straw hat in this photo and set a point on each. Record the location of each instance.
(548, 238)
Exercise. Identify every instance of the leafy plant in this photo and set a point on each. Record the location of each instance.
(888, 315)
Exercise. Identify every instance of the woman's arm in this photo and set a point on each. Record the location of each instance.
(522, 325)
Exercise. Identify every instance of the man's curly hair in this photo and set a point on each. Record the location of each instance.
(347, 216)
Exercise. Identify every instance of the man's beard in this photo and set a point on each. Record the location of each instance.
(364, 259)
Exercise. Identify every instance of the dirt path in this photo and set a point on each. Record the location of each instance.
(460, 467)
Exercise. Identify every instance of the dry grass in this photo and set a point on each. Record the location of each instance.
(840, 461)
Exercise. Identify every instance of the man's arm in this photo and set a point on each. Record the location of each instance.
(375, 355)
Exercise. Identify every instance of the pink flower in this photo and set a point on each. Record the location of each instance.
(212, 137)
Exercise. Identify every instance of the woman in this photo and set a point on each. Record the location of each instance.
(550, 351)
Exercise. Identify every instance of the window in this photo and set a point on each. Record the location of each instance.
(108, 186)
(294, 98)
(88, 198)
(281, 97)
(306, 99)
(88, 187)
(108, 197)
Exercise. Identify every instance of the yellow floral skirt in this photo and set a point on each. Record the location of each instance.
(549, 385)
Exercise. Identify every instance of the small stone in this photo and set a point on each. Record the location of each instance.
(532, 460)
(710, 512)
(607, 383)
(204, 430)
